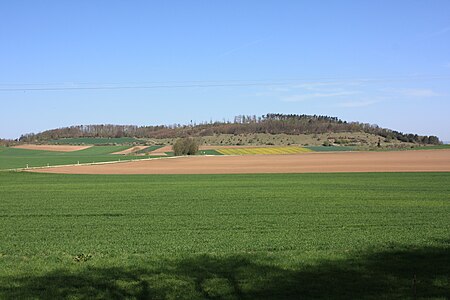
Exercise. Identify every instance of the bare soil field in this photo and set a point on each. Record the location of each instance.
(130, 150)
(401, 161)
(56, 148)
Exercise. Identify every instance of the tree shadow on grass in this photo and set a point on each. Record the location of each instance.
(397, 274)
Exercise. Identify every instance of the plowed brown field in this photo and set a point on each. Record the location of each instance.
(401, 161)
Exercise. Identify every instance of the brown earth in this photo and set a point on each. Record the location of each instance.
(130, 150)
(56, 148)
(401, 161)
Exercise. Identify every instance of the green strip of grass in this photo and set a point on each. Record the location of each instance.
(12, 158)
(149, 149)
(95, 141)
(433, 147)
(209, 152)
(267, 236)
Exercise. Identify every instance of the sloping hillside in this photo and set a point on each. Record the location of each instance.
(274, 124)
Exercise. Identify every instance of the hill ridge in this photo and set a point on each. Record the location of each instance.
(272, 123)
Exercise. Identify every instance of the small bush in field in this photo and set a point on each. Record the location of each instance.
(186, 146)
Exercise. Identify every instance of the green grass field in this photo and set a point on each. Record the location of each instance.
(433, 147)
(95, 141)
(149, 149)
(12, 158)
(271, 236)
(209, 152)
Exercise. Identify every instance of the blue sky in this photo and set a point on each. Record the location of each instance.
(382, 62)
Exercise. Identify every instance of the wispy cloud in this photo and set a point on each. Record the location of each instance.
(281, 88)
(357, 104)
(241, 47)
(420, 93)
(442, 31)
(306, 97)
(317, 86)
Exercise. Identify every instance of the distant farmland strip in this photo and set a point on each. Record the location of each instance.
(209, 152)
(263, 150)
(131, 150)
(149, 149)
(14, 158)
(332, 148)
(95, 141)
(55, 148)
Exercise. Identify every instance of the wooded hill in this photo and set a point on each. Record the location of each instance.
(291, 124)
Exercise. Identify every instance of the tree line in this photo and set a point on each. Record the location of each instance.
(7, 142)
(272, 123)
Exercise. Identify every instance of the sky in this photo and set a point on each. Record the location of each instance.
(67, 63)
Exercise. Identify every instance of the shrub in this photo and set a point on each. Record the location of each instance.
(186, 146)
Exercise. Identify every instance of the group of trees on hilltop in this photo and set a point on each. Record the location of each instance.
(242, 124)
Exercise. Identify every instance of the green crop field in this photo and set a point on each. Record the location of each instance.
(13, 158)
(95, 141)
(209, 152)
(266, 236)
(432, 147)
(149, 149)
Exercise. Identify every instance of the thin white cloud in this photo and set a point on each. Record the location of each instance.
(318, 86)
(241, 47)
(441, 31)
(306, 97)
(357, 104)
(281, 89)
(419, 93)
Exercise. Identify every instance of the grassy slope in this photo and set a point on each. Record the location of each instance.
(18, 158)
(261, 139)
(348, 236)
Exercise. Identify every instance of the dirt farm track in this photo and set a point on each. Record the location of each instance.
(401, 161)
